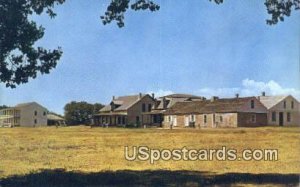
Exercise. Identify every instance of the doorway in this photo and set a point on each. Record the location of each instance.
(281, 119)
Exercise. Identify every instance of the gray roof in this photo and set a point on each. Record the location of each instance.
(183, 96)
(270, 101)
(21, 105)
(123, 102)
(54, 117)
(26, 104)
(174, 98)
(220, 105)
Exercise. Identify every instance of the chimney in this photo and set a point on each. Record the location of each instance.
(140, 95)
(153, 96)
(237, 95)
(263, 93)
(113, 97)
(214, 98)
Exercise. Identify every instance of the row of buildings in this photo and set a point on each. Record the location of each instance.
(183, 110)
(176, 110)
(29, 114)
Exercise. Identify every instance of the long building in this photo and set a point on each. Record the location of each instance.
(214, 113)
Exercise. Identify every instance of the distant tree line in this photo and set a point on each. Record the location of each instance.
(80, 113)
(3, 107)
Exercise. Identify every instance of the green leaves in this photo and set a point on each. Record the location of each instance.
(78, 113)
(278, 9)
(116, 9)
(19, 59)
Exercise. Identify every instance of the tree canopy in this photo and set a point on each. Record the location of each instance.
(278, 9)
(20, 60)
(79, 113)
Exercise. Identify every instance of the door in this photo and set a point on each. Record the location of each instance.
(281, 119)
(175, 121)
(186, 121)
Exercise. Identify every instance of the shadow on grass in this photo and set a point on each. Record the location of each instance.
(60, 177)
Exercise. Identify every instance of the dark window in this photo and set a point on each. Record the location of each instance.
(137, 119)
(205, 119)
(284, 104)
(288, 117)
(273, 116)
(143, 107)
(221, 118)
(149, 107)
(252, 103)
(253, 118)
(155, 119)
(35, 121)
(119, 120)
(44, 114)
(35, 113)
(292, 104)
(123, 120)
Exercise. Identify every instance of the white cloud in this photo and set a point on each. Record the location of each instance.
(160, 93)
(250, 88)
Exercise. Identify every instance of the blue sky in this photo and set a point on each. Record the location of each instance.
(190, 46)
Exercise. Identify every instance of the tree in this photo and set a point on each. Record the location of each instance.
(78, 113)
(278, 9)
(3, 107)
(19, 59)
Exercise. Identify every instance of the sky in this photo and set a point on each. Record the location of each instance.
(194, 47)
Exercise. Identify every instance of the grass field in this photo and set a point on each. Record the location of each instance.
(25, 151)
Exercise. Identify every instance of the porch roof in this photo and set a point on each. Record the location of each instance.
(155, 112)
(112, 114)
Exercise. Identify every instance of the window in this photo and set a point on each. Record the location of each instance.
(149, 107)
(221, 118)
(273, 116)
(35, 113)
(284, 104)
(292, 104)
(252, 103)
(193, 118)
(123, 120)
(118, 120)
(253, 118)
(44, 113)
(205, 119)
(137, 119)
(143, 107)
(288, 117)
(35, 121)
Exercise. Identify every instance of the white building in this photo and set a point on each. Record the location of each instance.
(25, 115)
(282, 110)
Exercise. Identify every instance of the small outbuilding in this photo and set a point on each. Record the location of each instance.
(55, 120)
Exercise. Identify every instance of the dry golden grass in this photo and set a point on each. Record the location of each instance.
(26, 150)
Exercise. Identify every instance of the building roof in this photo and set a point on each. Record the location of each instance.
(174, 98)
(123, 102)
(270, 101)
(182, 96)
(54, 117)
(26, 104)
(21, 105)
(220, 105)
